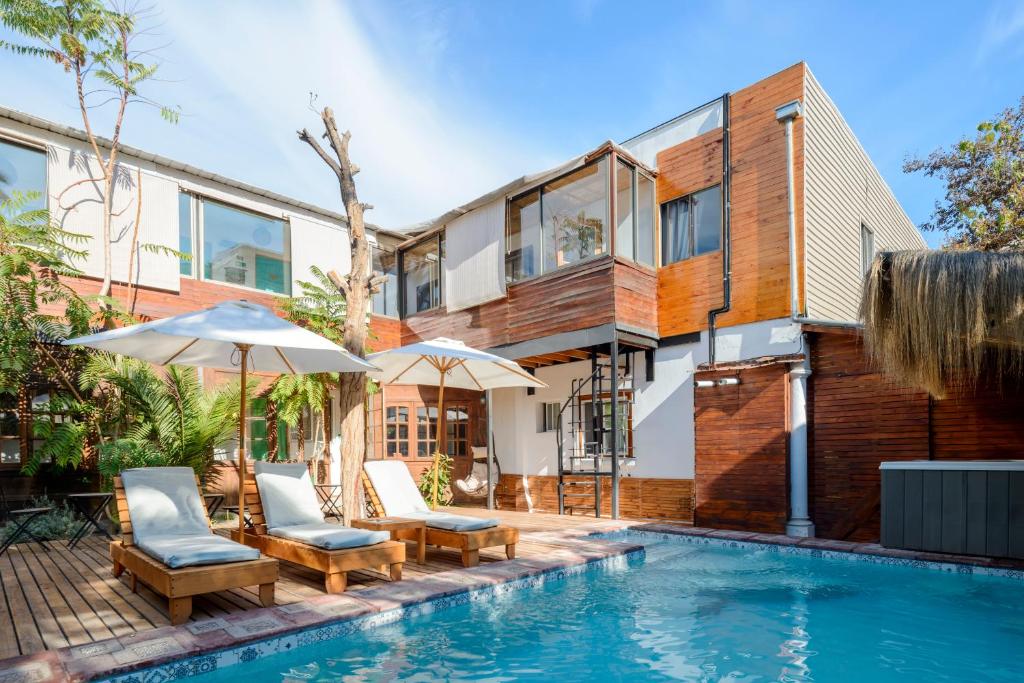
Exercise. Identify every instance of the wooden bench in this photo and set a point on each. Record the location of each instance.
(179, 585)
(468, 543)
(386, 557)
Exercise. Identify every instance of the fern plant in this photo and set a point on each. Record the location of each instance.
(147, 417)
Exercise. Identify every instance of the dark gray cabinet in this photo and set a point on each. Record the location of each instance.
(968, 507)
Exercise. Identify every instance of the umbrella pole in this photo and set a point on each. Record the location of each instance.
(441, 433)
(244, 348)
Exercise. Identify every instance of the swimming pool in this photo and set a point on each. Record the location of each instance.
(695, 612)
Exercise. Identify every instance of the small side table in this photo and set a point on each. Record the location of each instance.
(399, 528)
(90, 506)
(22, 519)
(330, 500)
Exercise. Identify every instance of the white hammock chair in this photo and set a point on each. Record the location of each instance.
(475, 484)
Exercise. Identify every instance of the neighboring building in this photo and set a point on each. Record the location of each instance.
(245, 243)
(623, 257)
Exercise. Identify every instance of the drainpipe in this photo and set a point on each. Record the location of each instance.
(726, 235)
(799, 524)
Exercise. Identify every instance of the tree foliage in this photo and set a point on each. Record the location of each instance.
(984, 203)
(146, 417)
(96, 43)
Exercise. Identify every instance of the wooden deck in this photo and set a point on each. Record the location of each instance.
(56, 598)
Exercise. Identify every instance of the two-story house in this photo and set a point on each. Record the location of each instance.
(661, 288)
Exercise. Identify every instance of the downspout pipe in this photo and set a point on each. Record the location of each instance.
(786, 115)
(799, 523)
(726, 234)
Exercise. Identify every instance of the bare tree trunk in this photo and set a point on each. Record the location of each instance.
(300, 436)
(357, 286)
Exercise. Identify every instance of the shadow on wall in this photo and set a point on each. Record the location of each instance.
(742, 445)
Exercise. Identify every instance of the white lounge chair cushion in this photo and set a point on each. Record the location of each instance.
(287, 494)
(164, 501)
(330, 536)
(190, 550)
(395, 488)
(450, 522)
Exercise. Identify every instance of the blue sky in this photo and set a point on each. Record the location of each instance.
(447, 100)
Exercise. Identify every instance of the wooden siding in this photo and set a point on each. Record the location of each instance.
(741, 451)
(639, 498)
(858, 419)
(573, 298)
(636, 297)
(760, 228)
(844, 190)
(688, 289)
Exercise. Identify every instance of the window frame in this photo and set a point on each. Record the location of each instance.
(539, 189)
(691, 226)
(867, 238)
(376, 246)
(197, 205)
(637, 173)
(438, 239)
(34, 146)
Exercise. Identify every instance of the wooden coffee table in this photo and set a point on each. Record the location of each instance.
(401, 529)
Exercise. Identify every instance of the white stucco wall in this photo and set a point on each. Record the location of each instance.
(663, 410)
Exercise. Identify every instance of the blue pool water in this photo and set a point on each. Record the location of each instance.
(695, 613)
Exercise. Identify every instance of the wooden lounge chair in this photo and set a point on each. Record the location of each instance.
(290, 482)
(179, 584)
(393, 493)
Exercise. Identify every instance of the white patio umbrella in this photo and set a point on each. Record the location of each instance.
(233, 335)
(449, 363)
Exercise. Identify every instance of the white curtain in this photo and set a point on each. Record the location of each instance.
(474, 268)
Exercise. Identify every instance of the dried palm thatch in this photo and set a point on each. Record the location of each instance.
(941, 320)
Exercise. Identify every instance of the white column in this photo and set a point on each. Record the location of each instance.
(799, 523)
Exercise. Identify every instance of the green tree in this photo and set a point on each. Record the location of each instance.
(984, 204)
(97, 44)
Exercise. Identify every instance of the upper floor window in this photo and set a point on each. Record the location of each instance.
(385, 301)
(22, 169)
(421, 275)
(691, 225)
(634, 209)
(867, 247)
(561, 223)
(236, 247)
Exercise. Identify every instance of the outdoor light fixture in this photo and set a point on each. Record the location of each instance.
(728, 381)
(705, 383)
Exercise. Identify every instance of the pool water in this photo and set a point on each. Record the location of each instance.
(694, 612)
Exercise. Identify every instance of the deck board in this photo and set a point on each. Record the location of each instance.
(62, 597)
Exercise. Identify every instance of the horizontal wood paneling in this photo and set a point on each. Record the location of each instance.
(639, 498)
(574, 298)
(858, 420)
(636, 297)
(979, 424)
(741, 446)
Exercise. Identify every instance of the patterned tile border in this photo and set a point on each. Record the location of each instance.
(826, 548)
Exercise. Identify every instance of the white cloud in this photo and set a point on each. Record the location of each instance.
(247, 73)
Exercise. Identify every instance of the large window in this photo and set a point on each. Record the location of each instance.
(22, 170)
(396, 431)
(235, 246)
(421, 273)
(564, 222)
(243, 248)
(634, 208)
(385, 301)
(691, 225)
